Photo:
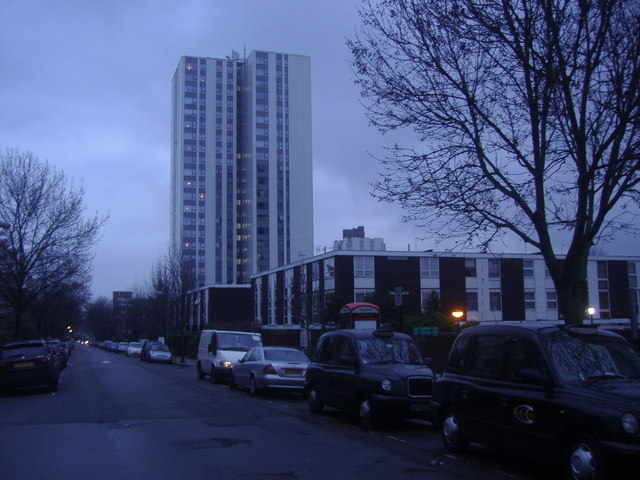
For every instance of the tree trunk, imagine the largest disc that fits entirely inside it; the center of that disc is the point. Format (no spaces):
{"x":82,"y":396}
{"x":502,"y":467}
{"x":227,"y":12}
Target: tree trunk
{"x":572,"y":290}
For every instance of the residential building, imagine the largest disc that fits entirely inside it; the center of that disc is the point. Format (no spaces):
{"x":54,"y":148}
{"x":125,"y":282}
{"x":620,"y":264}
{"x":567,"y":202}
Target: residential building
{"x":355,"y":239}
{"x":241,"y":164}
{"x":486,"y":287}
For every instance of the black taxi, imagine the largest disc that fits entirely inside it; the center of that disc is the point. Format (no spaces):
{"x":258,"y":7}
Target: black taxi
{"x":371,"y":372}
{"x":566,"y":394}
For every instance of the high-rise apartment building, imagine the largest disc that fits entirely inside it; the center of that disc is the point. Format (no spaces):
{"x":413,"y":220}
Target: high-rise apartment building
{"x":241,"y":165}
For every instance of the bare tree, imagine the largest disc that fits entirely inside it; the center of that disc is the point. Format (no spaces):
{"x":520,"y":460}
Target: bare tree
{"x":528,"y":116}
{"x":47,"y":242}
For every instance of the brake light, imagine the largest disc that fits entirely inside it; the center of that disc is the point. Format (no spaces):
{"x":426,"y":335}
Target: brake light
{"x":269,"y":370}
{"x":5,"y":365}
{"x":44,"y":361}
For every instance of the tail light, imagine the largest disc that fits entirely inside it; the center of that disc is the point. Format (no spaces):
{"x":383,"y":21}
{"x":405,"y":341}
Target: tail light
{"x":46,"y":361}
{"x":5,"y":365}
{"x":269,"y":370}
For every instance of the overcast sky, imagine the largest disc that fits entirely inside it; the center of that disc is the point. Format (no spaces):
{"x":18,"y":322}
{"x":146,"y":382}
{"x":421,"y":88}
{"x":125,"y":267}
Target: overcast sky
{"x":86,"y":86}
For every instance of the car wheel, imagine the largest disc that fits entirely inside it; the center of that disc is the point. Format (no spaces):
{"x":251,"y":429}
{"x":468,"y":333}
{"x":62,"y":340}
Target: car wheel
{"x":212,"y":375}
{"x":315,"y":405}
{"x":232,"y":382}
{"x":451,"y":436}
{"x":200,"y":372}
{"x":584,"y":459}
{"x":53,"y":387}
{"x":253,"y":387}
{"x":367,"y":413}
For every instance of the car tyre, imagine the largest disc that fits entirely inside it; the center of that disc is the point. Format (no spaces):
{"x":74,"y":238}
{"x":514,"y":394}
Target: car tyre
{"x":368,"y":414}
{"x":200,"y":372}
{"x":212,"y":375}
{"x":315,"y":405}
{"x":584,"y":459}
{"x":254,"y":391}
{"x":232,"y":382}
{"x":53,"y":387}
{"x":450,"y":432}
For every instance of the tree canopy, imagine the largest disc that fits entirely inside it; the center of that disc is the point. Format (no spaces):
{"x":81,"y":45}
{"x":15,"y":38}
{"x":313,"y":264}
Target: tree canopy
{"x":45,"y":243}
{"x":527,"y":115}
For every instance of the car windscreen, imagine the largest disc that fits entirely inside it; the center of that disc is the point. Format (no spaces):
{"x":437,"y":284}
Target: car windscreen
{"x":237,"y":341}
{"x":388,"y":350}
{"x":160,"y":348}
{"x":593,"y":357}
{"x":285,"y":356}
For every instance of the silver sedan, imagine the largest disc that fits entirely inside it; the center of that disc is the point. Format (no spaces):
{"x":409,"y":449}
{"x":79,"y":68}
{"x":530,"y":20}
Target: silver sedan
{"x":265,"y":368}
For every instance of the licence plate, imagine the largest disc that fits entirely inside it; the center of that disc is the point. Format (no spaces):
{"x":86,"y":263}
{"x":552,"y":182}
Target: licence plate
{"x":292,"y":371}
{"x":419,"y":407}
{"x":23,"y":364}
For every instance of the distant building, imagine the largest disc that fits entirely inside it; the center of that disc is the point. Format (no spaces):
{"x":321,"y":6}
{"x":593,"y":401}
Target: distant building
{"x":486,"y":287}
{"x":241,"y":164}
{"x":354,"y":240}
{"x":121,"y":302}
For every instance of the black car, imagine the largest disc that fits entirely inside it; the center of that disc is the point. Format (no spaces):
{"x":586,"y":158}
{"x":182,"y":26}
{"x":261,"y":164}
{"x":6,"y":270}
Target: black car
{"x":372,"y":372}
{"x":28,"y":364}
{"x":565,"y":394}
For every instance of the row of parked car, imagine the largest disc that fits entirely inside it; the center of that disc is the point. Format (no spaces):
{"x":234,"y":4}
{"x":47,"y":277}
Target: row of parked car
{"x":147,"y":350}
{"x":569,"y":395}
{"x":33,"y":363}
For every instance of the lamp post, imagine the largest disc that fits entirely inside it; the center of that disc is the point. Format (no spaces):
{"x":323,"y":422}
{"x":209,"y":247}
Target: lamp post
{"x":591,"y":311}
{"x":457,"y":315}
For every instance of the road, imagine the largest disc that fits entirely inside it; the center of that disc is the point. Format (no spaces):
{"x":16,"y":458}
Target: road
{"x":115,"y":417}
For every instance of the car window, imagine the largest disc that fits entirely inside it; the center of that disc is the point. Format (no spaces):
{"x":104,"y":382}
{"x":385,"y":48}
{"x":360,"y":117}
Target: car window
{"x":388,"y":350}
{"x":596,"y":357}
{"x":523,"y":354}
{"x":487,"y":355}
{"x":284,"y":356}
{"x":331,"y":346}
{"x":458,"y":354}
{"x":11,"y":351}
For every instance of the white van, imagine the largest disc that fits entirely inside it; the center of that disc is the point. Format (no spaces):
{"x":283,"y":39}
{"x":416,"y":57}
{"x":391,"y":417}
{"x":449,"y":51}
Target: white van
{"x":218,"y":350}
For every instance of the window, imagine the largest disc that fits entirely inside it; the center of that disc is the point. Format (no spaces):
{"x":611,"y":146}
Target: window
{"x":494,"y":268}
{"x":487,"y":356}
{"x":361,"y":295}
{"x":530,"y":300}
{"x":430,"y":301}
{"x":363,"y":267}
{"x":633,"y":277}
{"x":495,"y":301}
{"x":522,"y":354}
{"x":552,"y":301}
{"x":470,"y":267}
{"x":472,"y":301}
{"x":429,"y":267}
{"x":527,"y":268}
{"x":603,"y":298}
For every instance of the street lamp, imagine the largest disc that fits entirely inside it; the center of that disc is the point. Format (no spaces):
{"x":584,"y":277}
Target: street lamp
{"x":591,"y":311}
{"x":457,"y":316}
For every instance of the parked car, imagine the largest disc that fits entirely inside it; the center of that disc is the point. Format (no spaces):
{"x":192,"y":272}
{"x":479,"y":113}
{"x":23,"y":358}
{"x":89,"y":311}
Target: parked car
{"x":60,"y":353}
{"x":159,"y":353}
{"x":122,"y":347}
{"x":565,"y":394}
{"x":134,"y":349}
{"x":28,"y":364}
{"x":146,"y":346}
{"x":113,"y":347}
{"x":263,"y":368}
{"x":372,"y":372}
{"x":219,"y":350}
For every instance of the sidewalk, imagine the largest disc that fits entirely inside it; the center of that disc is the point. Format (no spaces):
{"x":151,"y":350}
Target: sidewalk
{"x":188,"y":362}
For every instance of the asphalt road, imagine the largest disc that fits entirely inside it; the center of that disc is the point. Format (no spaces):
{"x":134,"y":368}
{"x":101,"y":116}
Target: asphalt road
{"x":117,"y":418}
